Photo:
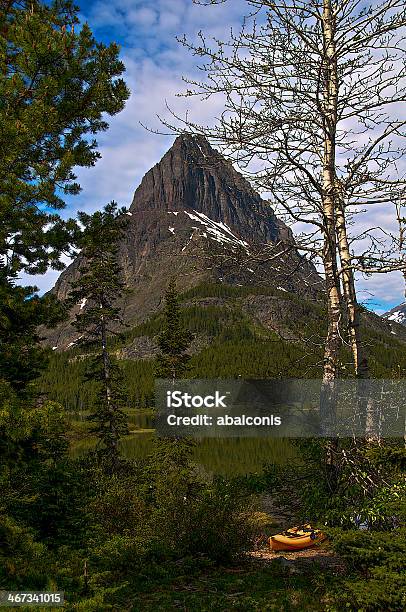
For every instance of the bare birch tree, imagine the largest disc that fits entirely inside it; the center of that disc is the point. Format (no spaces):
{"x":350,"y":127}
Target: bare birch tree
{"x":401,"y":220}
{"x":312,"y":96}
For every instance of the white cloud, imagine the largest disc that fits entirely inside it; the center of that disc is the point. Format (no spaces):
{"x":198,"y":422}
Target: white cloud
{"x":169,"y":20}
{"x":155,"y":64}
{"x":382,"y":291}
{"x":142,"y":17}
{"x":43,"y":282}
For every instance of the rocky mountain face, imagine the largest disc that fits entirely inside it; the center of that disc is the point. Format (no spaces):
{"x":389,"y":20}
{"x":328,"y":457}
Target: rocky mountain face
{"x":397,"y":314}
{"x":195,"y":219}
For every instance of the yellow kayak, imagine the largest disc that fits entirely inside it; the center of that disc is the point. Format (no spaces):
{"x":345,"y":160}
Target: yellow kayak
{"x":296,"y":538}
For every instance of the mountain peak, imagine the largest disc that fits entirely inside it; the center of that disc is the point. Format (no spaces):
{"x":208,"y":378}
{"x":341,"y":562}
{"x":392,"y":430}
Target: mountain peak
{"x":194,"y":176}
{"x":196,"y":218}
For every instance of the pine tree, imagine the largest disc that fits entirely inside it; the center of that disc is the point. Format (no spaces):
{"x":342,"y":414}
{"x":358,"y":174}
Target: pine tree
{"x":57,"y":85}
{"x":21,"y":356}
{"x":97,"y":289}
{"x":173,"y":359}
{"x":172,"y":362}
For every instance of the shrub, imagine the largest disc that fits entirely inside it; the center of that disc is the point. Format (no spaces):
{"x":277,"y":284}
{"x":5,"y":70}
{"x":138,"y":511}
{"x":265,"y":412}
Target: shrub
{"x":23,"y":562}
{"x":212,"y":521}
{"x":378,"y":558}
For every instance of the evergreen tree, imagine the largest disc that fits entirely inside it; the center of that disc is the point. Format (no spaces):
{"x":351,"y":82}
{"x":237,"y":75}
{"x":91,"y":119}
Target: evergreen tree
{"x":97,"y":289}
{"x":21,"y":356}
{"x":173,"y":360}
{"x":57,"y":83}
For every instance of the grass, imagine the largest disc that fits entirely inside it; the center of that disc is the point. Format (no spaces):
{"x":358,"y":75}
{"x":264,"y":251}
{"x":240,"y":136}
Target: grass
{"x":250,"y":586}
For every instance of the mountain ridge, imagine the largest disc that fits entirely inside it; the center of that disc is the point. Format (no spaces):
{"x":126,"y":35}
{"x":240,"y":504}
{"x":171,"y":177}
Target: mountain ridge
{"x":397,"y":314}
{"x":195,"y":218}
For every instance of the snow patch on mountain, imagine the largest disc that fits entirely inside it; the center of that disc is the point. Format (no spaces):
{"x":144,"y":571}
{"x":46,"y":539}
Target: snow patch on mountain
{"x":399,"y":317}
{"x":397,"y":314}
{"x":201,"y":150}
{"x":190,"y":238}
{"x":217,"y":230}
{"x":74,"y":342}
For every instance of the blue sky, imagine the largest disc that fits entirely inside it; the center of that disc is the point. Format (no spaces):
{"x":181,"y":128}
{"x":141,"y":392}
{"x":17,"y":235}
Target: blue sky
{"x":155,"y":63}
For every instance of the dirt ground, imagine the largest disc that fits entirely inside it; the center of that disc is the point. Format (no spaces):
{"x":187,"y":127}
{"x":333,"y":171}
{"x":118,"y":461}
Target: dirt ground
{"x":300,"y":560}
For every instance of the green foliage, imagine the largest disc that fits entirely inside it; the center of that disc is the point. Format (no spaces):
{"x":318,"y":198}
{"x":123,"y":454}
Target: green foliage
{"x":21,"y":312}
{"x":57,"y":84}
{"x":386,"y":355}
{"x":139,"y":379}
{"x":39,"y":486}
{"x":137,"y":525}
{"x":100,"y":282}
{"x":231,"y":345}
{"x":228,"y":344}
{"x":24,"y":562}
{"x":378,"y":559}
{"x":191,"y":515}
{"x":98,"y":287}
{"x":29,"y":432}
{"x":223,"y":290}
{"x":173,"y":341}
{"x":197,"y":587}
{"x":108,"y":416}
{"x":369,"y":490}
{"x":155,"y":512}
{"x":42,"y":503}
{"x":63,"y":380}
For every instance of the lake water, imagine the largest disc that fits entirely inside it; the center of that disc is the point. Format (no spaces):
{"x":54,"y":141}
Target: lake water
{"x":227,"y":456}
